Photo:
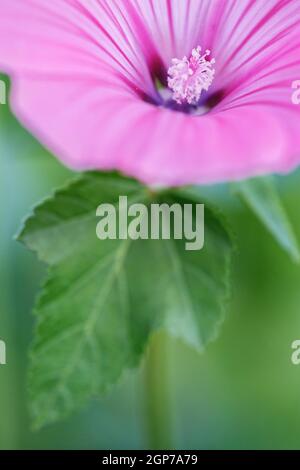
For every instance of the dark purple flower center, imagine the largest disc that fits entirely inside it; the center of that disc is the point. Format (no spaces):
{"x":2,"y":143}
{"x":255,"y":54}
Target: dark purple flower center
{"x":185,"y":86}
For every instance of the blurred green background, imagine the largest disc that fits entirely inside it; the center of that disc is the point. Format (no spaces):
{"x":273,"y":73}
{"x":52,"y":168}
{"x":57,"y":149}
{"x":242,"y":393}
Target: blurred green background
{"x":243,"y":393}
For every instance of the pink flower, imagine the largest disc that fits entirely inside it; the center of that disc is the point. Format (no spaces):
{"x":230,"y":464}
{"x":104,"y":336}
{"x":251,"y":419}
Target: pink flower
{"x":128,"y":84}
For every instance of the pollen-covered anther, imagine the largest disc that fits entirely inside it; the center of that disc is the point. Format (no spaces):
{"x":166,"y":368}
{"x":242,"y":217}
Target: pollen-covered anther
{"x":188,"y":78}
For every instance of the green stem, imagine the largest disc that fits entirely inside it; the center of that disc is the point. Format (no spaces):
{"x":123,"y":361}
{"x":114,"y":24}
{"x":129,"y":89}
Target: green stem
{"x":157,"y":397}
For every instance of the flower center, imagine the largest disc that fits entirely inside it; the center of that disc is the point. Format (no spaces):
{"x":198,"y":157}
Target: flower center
{"x":188,"y":78}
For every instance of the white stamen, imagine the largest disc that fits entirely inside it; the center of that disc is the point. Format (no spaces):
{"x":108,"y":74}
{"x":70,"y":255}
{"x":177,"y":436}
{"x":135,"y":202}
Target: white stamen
{"x":188,"y":78}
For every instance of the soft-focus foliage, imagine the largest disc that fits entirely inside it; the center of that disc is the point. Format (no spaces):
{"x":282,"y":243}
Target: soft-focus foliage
{"x":261,"y":196}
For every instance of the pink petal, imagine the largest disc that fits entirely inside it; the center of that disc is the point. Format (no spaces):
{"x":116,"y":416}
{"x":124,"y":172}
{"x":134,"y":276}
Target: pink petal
{"x":81,"y":71}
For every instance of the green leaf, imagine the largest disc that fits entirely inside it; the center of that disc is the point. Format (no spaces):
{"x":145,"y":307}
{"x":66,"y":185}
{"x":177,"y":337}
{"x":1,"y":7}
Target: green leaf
{"x":103,"y":299}
{"x":262,"y":197}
